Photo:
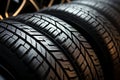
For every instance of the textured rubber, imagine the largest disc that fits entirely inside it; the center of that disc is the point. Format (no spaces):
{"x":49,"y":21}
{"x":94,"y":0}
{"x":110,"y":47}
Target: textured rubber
{"x":36,"y":51}
{"x":105,"y":10}
{"x":110,"y":13}
{"x":73,"y":13}
{"x":114,"y":4}
{"x":70,"y":40}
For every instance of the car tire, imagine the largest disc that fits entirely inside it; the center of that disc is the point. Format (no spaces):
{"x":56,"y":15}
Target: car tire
{"x":96,"y":28}
{"x":83,"y":57}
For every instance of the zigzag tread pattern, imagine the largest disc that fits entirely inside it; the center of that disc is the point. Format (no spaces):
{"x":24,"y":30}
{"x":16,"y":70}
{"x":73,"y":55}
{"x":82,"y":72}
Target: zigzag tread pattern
{"x":108,"y":32}
{"x":30,"y":44}
{"x":69,"y":38}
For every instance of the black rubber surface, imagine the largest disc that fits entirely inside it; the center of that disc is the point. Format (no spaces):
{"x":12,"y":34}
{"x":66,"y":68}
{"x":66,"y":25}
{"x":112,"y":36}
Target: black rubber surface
{"x":70,"y":40}
{"x":74,"y":41}
{"x":94,"y":24}
{"x":35,"y":50}
{"x":105,"y":9}
{"x":111,"y":13}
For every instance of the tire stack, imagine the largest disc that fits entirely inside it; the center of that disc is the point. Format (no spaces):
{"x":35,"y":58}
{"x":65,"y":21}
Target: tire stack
{"x":73,"y":41}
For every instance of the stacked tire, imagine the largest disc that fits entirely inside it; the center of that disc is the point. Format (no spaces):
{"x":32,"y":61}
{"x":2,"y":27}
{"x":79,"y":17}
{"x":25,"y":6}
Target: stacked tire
{"x":73,"y":41}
